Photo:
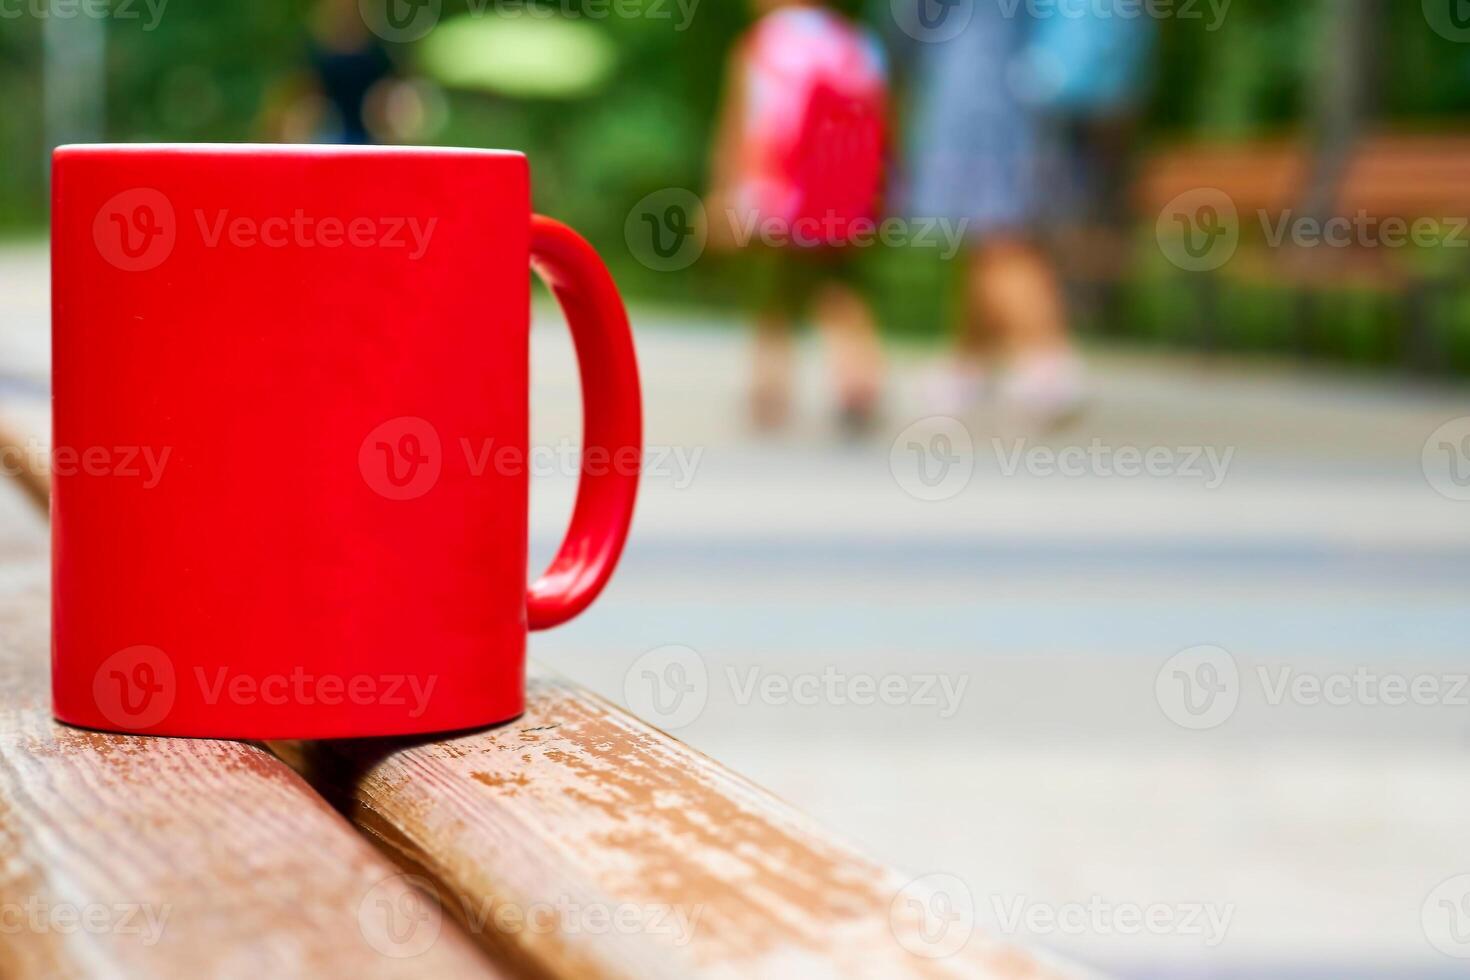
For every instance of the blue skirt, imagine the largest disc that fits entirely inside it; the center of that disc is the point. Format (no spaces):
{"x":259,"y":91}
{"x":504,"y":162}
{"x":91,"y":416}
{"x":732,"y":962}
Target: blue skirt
{"x":973,"y":145}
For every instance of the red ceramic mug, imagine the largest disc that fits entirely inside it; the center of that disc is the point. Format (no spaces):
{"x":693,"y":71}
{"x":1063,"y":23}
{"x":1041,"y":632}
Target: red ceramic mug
{"x":291,"y":419}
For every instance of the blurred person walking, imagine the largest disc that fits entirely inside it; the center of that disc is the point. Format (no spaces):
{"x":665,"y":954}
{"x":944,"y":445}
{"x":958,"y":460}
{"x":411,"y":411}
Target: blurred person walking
{"x":1086,"y":74}
{"x":350,"y":90}
{"x":976,"y":152}
{"x":797,"y":170}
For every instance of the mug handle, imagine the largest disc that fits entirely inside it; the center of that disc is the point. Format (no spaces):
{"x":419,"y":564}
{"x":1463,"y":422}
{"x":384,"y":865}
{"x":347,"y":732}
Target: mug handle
{"x":612,"y":423}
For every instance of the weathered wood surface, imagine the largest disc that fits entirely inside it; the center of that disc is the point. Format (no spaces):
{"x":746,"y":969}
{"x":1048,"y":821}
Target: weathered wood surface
{"x":581,"y":842}
{"x":544,"y":832}
{"x":157,"y":857}
{"x":22,"y":449}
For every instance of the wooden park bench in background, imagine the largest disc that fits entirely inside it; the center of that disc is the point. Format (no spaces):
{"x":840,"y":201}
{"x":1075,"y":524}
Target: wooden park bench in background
{"x":1404,"y":177}
{"x":511,"y":852}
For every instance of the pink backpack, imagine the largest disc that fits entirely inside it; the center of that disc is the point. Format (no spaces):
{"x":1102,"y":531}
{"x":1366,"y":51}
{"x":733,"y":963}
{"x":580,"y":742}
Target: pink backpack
{"x":815,"y":128}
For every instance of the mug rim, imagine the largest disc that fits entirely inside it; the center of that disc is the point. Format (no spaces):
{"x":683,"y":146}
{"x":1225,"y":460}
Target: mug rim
{"x":286,"y":149}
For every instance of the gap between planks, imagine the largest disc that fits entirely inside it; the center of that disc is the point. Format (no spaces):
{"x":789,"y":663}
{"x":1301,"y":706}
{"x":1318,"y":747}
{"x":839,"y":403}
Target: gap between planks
{"x":586,"y":813}
{"x":137,"y":856}
{"x":578,"y":841}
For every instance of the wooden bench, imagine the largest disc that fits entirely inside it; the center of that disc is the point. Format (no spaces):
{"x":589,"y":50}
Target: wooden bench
{"x":1403,"y":177}
{"x":576,"y":841}
{"x":150,"y":856}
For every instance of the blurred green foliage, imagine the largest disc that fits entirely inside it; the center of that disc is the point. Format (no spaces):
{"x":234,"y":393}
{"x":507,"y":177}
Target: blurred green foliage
{"x":208,"y":68}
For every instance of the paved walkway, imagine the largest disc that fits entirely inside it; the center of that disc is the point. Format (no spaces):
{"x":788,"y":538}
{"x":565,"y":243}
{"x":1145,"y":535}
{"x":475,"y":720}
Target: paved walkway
{"x":977,"y":685}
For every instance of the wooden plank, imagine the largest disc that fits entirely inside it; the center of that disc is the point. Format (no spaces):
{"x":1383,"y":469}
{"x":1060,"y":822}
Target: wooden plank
{"x":1388,"y":175}
{"x":578,"y":813}
{"x":581,"y":842}
{"x":1261,"y":176}
{"x":17,"y":458}
{"x":1408,"y":178}
{"x":138,"y":856}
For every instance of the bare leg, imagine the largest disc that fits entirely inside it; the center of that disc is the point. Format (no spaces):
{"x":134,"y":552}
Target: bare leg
{"x":956,"y":382}
{"x":770,"y":392}
{"x":1014,"y":288}
{"x":853,"y":350}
